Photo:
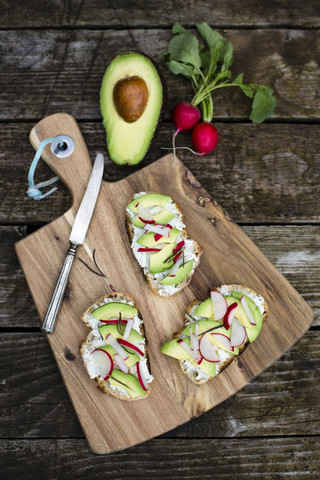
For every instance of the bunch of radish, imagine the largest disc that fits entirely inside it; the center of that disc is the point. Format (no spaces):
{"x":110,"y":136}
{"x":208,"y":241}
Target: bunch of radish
{"x":186,"y":116}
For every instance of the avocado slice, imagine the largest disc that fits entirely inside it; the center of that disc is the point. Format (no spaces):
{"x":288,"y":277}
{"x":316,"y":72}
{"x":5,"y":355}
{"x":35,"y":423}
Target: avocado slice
{"x":257,"y":315}
{"x":240,"y":314}
{"x":149,"y":200}
{"x":203,"y":326}
{"x":134,"y":336}
{"x":205,"y":309}
{"x":157,"y":260}
{"x":113,"y":309}
{"x":127,"y":381}
{"x":182,"y":273}
{"x":163,"y":217}
{"x":147,"y":239}
{"x":132,"y":360}
{"x":173,"y":349}
{"x":132,"y":104}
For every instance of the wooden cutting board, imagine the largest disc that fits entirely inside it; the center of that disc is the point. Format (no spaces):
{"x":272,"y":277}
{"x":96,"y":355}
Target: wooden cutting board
{"x":229,"y":257}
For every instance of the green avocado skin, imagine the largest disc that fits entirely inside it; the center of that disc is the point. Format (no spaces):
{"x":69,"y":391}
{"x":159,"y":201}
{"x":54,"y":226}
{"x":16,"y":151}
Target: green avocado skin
{"x":128,"y":143}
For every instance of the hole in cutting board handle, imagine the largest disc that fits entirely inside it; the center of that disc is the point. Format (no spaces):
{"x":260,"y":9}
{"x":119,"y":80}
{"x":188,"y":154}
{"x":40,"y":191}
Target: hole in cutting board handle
{"x":65,"y":149}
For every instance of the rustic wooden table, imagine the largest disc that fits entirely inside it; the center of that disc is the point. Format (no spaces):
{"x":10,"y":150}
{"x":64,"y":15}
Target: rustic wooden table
{"x":53,"y":55}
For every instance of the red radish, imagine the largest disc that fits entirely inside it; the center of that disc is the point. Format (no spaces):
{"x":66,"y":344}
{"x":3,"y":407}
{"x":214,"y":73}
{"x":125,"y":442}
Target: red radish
{"x":204,"y":137}
{"x":145,"y":249}
{"x":192,"y":354}
{"x":207,"y":350}
{"x":141,"y":377}
{"x":146,"y":221}
{"x":173,"y":271}
{"x":238,"y":333}
{"x":130,"y":345}
{"x":176,"y":258}
{"x":113,"y":322}
{"x":219,"y":305}
{"x":179,"y":245}
{"x":229,"y":315}
{"x":157,"y":237}
{"x":185,"y":116}
{"x":120,"y":363}
{"x":157,"y":228}
{"x":222,"y":339}
{"x":103,"y":361}
{"x":245,"y":305}
{"x":114,"y":344}
{"x":128,"y":329}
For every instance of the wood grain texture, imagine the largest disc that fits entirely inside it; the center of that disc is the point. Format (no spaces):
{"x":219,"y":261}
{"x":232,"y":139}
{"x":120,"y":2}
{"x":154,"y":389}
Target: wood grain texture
{"x":158,"y":459}
{"x":293,"y":249}
{"x":39,"y":13}
{"x":283,"y":400}
{"x":258,"y":173}
{"x":50,"y":71}
{"x":170,"y":393}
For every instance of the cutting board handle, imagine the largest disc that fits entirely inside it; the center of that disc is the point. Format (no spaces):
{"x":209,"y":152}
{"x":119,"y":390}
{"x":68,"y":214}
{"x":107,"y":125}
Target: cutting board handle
{"x":73,"y":170}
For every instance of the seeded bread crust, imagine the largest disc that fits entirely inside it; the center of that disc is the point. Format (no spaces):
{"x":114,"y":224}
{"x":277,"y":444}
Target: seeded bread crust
{"x":197,"y":248}
{"x":104,"y":385}
{"x":191,"y":307}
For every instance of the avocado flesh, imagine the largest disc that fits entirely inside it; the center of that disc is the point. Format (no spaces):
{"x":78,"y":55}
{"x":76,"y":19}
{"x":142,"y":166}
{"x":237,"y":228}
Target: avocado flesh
{"x":134,"y":336}
{"x":157,"y":260}
{"x":257,"y":315}
{"x":147,"y":239}
{"x":127,"y":381}
{"x":129,"y":142}
{"x":149,"y":200}
{"x":163,"y":217}
{"x":182,"y":273}
{"x":174,"y":349}
{"x":113,"y":309}
{"x":205,"y":309}
{"x":203,"y":326}
{"x":132,"y":360}
{"x":240,"y":314}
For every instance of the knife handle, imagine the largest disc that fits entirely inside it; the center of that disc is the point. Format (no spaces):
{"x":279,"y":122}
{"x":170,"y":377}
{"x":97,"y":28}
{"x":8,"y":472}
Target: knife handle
{"x":58,"y":294}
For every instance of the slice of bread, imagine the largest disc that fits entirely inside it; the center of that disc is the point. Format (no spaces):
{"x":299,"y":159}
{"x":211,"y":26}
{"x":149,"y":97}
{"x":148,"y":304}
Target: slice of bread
{"x":193,"y":371}
{"x":192,"y":250}
{"x":94,"y":340}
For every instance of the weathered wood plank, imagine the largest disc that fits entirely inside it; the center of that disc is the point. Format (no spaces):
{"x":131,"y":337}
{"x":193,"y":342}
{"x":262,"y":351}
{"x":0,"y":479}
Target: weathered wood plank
{"x":284,"y":400}
{"x":293,"y":250}
{"x":152,"y":13}
{"x":265,"y":459}
{"x":258,"y":173}
{"x":48,"y":71}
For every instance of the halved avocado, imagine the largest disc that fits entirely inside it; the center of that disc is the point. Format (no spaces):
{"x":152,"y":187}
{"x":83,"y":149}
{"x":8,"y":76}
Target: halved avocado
{"x":132,"y":104}
{"x":113,"y":309}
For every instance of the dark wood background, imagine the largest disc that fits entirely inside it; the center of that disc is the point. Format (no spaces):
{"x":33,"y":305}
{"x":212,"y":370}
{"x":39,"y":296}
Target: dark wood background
{"x":53,"y":56}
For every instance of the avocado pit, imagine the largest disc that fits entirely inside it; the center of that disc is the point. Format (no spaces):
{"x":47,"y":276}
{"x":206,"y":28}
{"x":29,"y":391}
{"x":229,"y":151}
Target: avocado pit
{"x":130,"y":97}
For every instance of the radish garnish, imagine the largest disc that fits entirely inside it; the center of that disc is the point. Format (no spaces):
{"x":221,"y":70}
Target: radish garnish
{"x":222,"y":339}
{"x":120,"y":363}
{"x":238,"y":333}
{"x":128,"y":329}
{"x":144,"y":214}
{"x":114,"y":321}
{"x":245,"y":305}
{"x":192,"y":354}
{"x":219,"y":305}
{"x":145,"y":249}
{"x":207,"y":350}
{"x":173,"y":271}
{"x":179,"y":245}
{"x":142,"y":376}
{"x":229,"y":315}
{"x":157,"y":228}
{"x":103,"y":361}
{"x":117,"y":347}
{"x":176,"y":258}
{"x":130,"y":345}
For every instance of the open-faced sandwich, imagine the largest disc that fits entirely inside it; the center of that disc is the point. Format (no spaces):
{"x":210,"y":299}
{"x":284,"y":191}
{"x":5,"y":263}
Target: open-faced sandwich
{"x":115,"y":351}
{"x":160,"y":243}
{"x":217,"y":330}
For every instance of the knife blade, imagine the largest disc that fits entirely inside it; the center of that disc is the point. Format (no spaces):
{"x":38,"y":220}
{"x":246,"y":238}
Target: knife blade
{"x":77,"y":237}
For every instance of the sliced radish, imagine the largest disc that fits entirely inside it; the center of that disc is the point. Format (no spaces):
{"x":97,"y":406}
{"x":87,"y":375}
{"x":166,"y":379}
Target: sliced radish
{"x":113,"y":321}
{"x":114,"y":344}
{"x":145,"y":214}
{"x":176,"y":258}
{"x":120,"y":363}
{"x":128,"y":329}
{"x":157,"y":228}
{"x":103,"y":361}
{"x":207,"y":350}
{"x":245,"y":305}
{"x":142,"y":377}
{"x":229,"y":315}
{"x":157,"y":237}
{"x":173,"y":271}
{"x":192,"y":354}
{"x":179,"y":245}
{"x":146,"y":221}
{"x":238,"y":333}
{"x":222,"y":339}
{"x":130,"y":345}
{"x":219,"y":305}
{"x":145,"y":249}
